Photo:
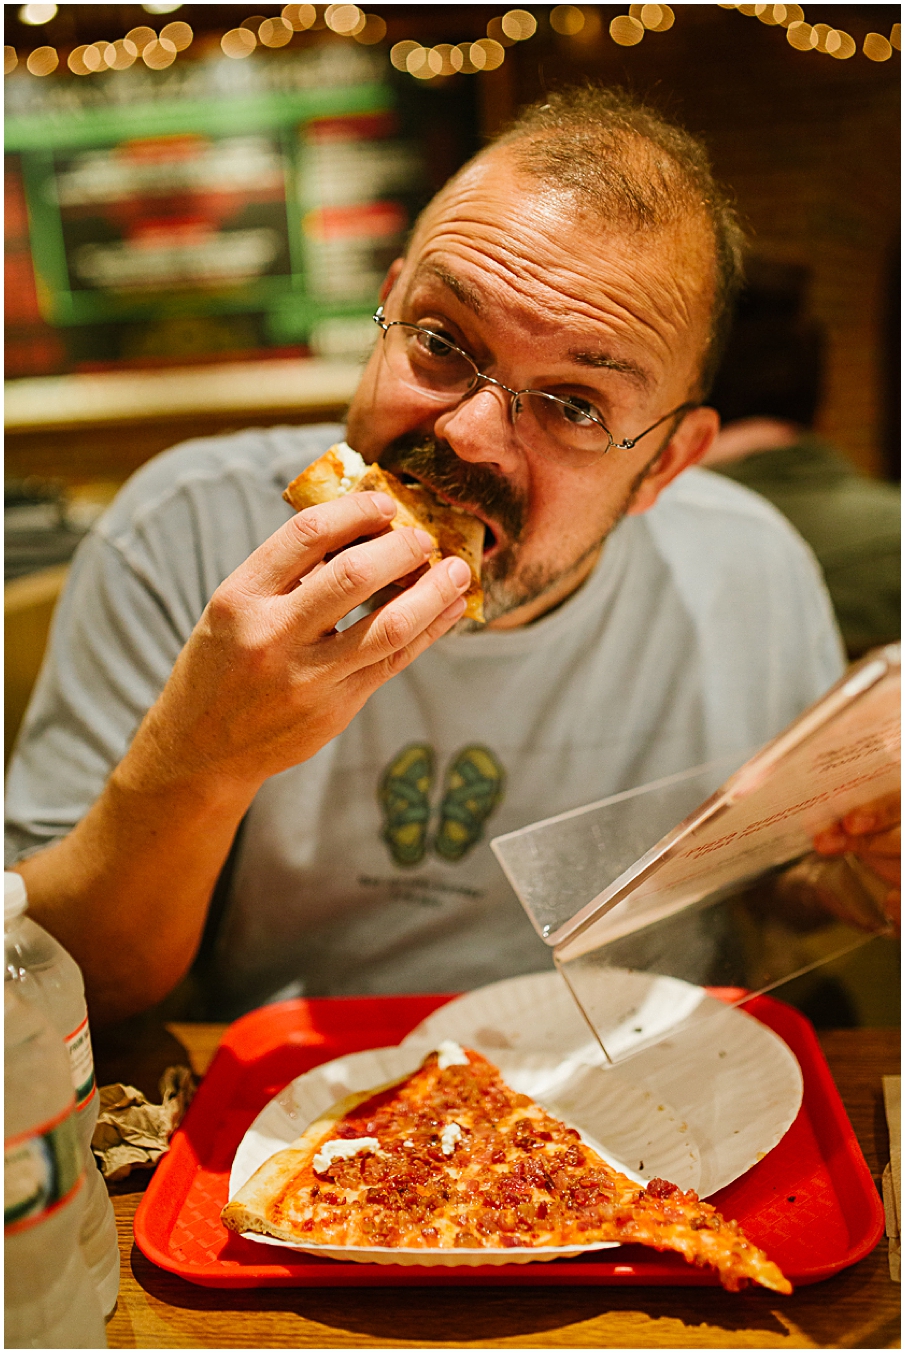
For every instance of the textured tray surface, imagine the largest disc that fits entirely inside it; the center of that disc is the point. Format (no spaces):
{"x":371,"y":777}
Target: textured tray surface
{"x":811,"y":1203}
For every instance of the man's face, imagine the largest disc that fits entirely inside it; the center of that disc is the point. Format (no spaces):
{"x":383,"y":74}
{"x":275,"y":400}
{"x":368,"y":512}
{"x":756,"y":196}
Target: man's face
{"x":542,"y":298}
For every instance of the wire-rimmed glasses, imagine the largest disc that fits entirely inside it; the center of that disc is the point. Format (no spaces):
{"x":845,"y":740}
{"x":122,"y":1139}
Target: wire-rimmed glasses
{"x":565,"y":429}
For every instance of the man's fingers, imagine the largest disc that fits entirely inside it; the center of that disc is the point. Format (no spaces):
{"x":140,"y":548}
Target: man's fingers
{"x":831,"y":841}
{"x":355,"y":575}
{"x":872,"y":817}
{"x":308,"y":537}
{"x":400,"y":623}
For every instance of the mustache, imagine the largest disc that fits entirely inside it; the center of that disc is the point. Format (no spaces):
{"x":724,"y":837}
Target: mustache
{"x":433,"y":461}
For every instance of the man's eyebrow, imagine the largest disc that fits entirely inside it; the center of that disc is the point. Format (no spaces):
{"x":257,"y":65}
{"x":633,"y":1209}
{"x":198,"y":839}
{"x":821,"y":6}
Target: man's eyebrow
{"x":461,"y":290}
{"x":599,"y":360}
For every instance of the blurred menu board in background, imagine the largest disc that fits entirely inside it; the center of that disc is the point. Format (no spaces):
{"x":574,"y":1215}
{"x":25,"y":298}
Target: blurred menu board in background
{"x":216,"y":209}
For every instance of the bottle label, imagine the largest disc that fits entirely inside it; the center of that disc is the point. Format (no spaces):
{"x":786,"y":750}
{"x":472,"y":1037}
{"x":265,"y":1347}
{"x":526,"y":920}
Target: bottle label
{"x":81,"y":1060}
{"x":42,"y":1169}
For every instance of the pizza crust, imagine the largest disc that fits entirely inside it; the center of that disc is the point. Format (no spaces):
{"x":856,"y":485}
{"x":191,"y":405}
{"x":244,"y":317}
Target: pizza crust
{"x":248,"y":1211}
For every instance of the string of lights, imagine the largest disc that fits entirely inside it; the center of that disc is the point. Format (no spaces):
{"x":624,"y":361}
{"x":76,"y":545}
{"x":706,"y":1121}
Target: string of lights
{"x":158,"y":50}
{"x":820,"y":37}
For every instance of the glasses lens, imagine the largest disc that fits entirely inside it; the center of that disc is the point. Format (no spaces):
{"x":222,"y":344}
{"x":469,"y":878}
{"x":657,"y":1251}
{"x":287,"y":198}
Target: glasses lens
{"x":560,"y":429}
{"x":426,"y":362}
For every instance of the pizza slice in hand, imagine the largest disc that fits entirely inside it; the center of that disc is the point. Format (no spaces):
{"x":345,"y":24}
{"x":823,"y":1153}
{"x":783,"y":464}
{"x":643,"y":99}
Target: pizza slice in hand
{"x":342,"y":470}
{"x":450,"y":1157}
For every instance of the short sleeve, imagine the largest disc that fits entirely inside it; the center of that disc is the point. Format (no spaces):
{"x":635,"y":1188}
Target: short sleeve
{"x":113,"y":644}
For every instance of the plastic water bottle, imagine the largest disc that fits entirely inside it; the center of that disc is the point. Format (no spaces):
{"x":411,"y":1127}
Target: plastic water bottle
{"x":49,"y":1298}
{"x":57,"y":984}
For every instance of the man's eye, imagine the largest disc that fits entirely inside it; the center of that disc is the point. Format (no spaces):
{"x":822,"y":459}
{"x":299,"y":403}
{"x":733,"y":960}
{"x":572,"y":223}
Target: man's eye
{"x":579,"y":412}
{"x":433,"y":345}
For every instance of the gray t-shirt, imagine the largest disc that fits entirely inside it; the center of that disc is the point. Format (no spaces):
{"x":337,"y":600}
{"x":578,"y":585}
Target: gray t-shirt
{"x":704,"y":630}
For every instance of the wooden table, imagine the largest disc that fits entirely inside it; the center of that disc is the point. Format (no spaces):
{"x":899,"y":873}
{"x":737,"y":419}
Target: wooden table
{"x":857,"y":1309}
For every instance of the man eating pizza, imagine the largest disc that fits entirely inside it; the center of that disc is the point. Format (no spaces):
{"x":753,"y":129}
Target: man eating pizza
{"x":247,"y":759}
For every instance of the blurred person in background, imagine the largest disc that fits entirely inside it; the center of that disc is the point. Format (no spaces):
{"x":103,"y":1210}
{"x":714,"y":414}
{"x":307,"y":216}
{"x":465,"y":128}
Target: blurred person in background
{"x":767,"y":392}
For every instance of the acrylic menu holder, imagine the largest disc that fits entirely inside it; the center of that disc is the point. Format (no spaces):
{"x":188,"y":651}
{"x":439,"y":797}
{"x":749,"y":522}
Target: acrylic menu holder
{"x":642,"y":915}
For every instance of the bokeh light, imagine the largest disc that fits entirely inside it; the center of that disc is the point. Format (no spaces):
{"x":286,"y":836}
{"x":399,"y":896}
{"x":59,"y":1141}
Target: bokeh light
{"x":626,"y":31}
{"x":120,"y":55}
{"x":299,"y":17}
{"x":10,"y":60}
{"x":140,"y":37}
{"x":179,"y":33}
{"x":159,"y":54}
{"x":467,"y":67}
{"x":37,"y":14}
{"x":567,"y":19}
{"x":374,"y":30}
{"x":841,"y":45}
{"x":399,"y":52}
{"x":77,"y":63}
{"x":343,"y":19}
{"x":657,"y":18}
{"x":449,"y":57}
{"x":495,"y":32}
{"x":275,"y":32}
{"x":238,"y":43}
{"x":876,"y":47}
{"x":42,"y":61}
{"x":486,"y":54}
{"x":518,"y":25}
{"x":801,"y":36}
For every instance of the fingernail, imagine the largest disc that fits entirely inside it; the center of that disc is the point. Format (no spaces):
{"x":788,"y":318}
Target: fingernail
{"x":459,"y":573}
{"x":384,"y":503}
{"x":454,"y":610}
{"x":425,"y":539}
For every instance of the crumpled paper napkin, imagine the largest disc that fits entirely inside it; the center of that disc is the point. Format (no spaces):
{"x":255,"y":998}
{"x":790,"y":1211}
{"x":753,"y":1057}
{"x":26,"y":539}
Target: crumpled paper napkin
{"x":131,"y":1131}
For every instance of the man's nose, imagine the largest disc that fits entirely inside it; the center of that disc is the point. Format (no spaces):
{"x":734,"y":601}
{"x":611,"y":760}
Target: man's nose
{"x":479,"y":428}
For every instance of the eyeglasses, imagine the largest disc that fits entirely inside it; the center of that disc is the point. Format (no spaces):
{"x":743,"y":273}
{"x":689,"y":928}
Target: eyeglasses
{"x":568,"y":430}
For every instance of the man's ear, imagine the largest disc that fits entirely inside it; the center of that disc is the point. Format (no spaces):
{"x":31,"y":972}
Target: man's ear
{"x":391,"y":278}
{"x":689,"y":443}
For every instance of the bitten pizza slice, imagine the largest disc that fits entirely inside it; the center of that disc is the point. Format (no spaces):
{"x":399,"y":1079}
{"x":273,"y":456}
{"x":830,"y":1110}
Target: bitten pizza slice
{"x":450,"y":1157}
{"x":342,"y":470}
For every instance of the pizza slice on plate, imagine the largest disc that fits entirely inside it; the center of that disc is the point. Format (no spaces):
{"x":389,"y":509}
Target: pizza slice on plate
{"x":450,"y":1157}
{"x":342,"y":470}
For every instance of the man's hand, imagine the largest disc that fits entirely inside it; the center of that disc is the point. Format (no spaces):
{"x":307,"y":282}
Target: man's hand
{"x":872,"y":833}
{"x":263,"y":683}
{"x":265,"y":680}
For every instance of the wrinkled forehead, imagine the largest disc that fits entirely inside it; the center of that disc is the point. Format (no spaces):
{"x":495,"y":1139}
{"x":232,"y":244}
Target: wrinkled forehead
{"x":547,"y":243}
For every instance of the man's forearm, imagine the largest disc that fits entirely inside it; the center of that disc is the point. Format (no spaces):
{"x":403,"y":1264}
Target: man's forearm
{"x":127,"y":891}
{"x":264,"y":681}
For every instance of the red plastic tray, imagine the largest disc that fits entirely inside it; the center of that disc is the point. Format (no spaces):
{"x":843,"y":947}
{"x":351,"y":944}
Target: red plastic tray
{"x":811,"y":1203}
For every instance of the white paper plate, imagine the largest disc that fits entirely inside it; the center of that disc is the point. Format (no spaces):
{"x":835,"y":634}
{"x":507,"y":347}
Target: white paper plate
{"x":603,"y":1110}
{"x":734,"y":1084}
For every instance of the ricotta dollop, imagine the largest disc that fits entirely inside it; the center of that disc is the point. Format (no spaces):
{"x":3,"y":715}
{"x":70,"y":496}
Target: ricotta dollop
{"x":450,"y":1054}
{"x":450,"y":1135}
{"x":342,"y":1150}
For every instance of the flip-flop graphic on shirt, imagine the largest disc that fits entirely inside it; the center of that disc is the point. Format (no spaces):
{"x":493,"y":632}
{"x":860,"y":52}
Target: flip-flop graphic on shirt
{"x":405,"y":799}
{"x":473,"y":788}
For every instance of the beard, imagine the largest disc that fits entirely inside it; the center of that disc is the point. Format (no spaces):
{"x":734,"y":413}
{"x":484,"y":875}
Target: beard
{"x":507,"y":584}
